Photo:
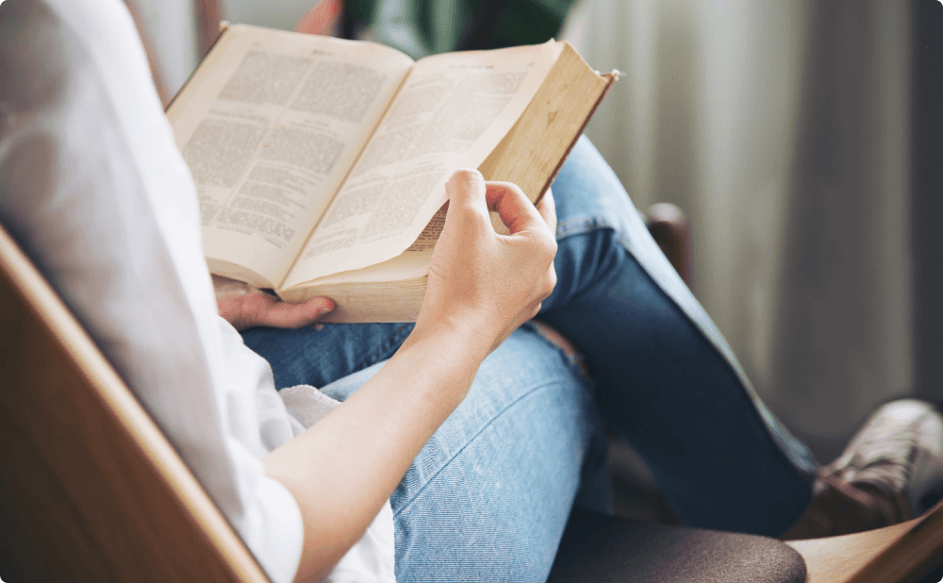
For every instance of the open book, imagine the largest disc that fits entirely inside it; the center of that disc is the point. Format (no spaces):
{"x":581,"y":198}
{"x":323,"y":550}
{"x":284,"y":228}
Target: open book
{"x":321,"y":163}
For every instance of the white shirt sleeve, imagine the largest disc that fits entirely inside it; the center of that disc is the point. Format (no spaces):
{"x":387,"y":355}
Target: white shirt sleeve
{"x":92,"y":185}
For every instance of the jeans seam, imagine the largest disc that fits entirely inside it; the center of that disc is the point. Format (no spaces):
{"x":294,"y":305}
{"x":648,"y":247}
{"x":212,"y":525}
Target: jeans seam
{"x":536,"y":389}
{"x":377,"y":354}
{"x":582,"y":225}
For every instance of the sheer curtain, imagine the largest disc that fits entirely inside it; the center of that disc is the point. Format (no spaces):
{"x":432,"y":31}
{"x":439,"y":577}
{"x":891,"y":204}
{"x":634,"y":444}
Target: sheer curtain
{"x":782,"y":130}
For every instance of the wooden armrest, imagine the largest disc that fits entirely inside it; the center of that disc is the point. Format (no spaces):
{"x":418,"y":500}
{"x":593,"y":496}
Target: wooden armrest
{"x":670,"y":229}
{"x":902,"y":553}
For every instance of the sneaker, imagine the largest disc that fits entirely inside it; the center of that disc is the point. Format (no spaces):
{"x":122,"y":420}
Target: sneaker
{"x":898,"y":451}
{"x":891,"y":471}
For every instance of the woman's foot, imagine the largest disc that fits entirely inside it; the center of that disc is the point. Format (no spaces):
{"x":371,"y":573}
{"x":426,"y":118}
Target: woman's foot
{"x":891,"y":471}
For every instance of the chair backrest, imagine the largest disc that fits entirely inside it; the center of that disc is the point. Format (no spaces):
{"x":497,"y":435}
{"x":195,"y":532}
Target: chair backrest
{"x":90,"y":489}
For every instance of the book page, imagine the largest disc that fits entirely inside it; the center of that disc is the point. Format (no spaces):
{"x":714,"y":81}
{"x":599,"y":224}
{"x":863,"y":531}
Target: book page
{"x":269,"y":127}
{"x":451,"y":112}
{"x":409,"y":264}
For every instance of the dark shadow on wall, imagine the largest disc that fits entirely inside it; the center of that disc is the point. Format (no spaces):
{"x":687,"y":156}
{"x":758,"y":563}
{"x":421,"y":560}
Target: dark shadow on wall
{"x":927,"y":196}
{"x":835,"y":199}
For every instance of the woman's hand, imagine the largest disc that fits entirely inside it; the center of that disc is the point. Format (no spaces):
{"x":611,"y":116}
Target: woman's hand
{"x":244,"y":307}
{"x":482,"y":283}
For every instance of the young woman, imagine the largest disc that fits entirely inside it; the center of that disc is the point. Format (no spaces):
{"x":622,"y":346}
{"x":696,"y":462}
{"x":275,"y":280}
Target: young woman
{"x":461,"y":443}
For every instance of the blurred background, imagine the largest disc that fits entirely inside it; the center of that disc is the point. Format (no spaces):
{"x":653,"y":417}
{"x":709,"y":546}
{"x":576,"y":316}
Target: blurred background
{"x":803,"y":140}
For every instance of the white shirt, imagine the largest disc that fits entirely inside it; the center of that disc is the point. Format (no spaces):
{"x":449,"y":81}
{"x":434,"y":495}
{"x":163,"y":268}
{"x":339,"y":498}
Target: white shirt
{"x":93,"y":186}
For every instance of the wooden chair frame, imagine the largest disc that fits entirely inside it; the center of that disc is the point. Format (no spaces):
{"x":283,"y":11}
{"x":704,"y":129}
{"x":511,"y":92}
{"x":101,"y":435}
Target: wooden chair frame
{"x":90,"y":489}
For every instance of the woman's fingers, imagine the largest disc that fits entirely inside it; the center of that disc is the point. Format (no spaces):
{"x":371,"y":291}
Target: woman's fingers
{"x":548,"y":210}
{"x":466,"y":190}
{"x":513,"y":206}
{"x":244,"y":307}
{"x":261,"y":309}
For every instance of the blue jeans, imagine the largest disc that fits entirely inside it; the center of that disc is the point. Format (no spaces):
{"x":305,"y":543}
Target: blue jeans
{"x":489,"y":495}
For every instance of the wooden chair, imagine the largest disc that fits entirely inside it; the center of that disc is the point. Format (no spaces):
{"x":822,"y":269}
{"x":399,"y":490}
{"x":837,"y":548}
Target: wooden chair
{"x":90,"y":489}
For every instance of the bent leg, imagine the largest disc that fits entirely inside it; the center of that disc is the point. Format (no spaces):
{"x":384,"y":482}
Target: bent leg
{"x":668,"y":382}
{"x":489,"y":495}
